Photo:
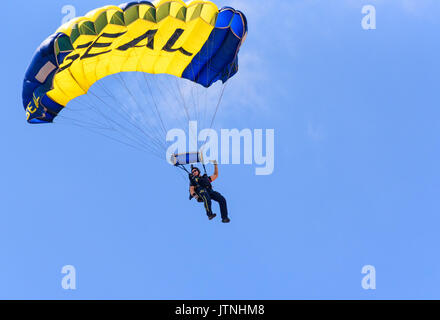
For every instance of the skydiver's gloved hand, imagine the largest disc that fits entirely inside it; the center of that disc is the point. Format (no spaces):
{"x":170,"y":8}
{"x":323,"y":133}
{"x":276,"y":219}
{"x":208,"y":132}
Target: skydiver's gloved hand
{"x":195,"y":196}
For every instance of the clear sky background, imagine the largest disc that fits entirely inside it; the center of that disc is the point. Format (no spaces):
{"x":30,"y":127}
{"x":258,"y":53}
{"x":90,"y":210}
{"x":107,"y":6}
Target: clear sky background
{"x":356,"y":181}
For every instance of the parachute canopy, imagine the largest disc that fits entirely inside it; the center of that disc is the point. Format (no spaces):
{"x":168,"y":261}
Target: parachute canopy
{"x":194,"y":41}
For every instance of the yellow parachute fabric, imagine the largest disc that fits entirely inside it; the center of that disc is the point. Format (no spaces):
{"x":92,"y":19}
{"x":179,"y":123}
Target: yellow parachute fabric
{"x":109,"y":40}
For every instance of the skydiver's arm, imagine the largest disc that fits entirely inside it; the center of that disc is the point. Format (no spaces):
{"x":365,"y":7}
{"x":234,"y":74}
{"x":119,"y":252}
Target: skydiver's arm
{"x":192,"y":192}
{"x":215,"y":175}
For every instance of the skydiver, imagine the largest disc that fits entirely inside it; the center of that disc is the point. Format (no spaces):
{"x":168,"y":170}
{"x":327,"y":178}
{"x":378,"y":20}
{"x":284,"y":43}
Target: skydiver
{"x":200,"y":188}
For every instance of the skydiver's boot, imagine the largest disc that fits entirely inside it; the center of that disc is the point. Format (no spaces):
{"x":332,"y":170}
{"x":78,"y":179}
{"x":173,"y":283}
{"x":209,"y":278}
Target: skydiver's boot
{"x":212,"y":216}
{"x":226,"y":220}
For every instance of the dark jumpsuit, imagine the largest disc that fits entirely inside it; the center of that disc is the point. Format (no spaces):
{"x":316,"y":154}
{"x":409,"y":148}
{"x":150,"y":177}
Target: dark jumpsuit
{"x":203,"y":188}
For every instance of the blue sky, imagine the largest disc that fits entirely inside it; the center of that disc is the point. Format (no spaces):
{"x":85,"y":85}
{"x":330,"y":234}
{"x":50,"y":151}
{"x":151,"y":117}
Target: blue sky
{"x":356,"y":178}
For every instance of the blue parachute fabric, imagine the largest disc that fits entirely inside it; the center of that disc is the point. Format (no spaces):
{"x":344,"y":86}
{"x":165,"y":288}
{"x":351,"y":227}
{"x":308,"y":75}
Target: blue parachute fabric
{"x":218,"y":58}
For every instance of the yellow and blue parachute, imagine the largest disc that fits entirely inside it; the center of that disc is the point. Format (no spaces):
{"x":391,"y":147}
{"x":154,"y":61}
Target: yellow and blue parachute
{"x":194,"y":41}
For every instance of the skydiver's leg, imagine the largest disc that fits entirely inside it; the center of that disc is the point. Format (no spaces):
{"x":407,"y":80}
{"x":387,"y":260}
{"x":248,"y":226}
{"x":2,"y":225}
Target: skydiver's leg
{"x":216,"y":196}
{"x":206,"y":201}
